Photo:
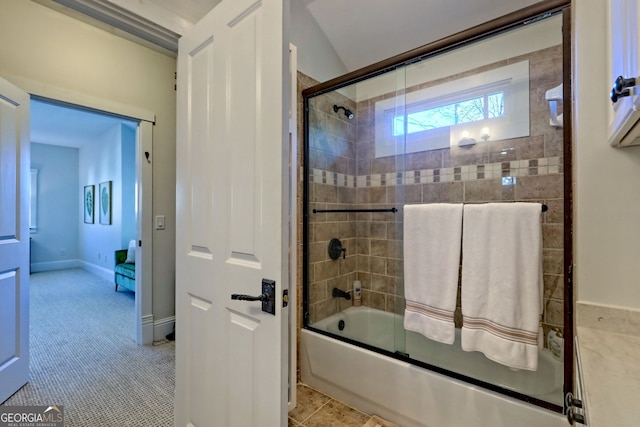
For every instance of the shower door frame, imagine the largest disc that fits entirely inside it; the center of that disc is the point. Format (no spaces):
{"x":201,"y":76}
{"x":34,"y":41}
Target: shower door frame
{"x":523,"y":16}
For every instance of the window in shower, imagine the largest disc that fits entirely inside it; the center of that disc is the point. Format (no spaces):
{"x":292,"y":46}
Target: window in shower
{"x":421,"y":117}
{"x":448,"y":128}
{"x":488,"y":105}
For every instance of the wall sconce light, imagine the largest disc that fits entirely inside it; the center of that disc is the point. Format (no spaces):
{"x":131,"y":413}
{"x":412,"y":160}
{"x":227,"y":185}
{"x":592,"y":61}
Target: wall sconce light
{"x":465,"y":139}
{"x":484,"y":134}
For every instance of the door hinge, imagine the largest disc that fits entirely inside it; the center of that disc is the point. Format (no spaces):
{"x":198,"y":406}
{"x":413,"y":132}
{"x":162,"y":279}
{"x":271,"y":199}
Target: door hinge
{"x":285,"y":298}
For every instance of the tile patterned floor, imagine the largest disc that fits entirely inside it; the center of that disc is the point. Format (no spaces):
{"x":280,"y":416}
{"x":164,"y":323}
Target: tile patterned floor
{"x":315,"y":409}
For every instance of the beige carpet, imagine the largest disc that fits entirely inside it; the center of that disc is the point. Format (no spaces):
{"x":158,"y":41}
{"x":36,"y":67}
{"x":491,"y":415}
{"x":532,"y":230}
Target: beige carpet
{"x":376,"y":421}
{"x":83,"y":355}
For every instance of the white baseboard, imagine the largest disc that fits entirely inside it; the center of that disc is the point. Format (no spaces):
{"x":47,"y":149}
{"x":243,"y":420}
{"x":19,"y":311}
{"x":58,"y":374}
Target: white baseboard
{"x":38,"y":267}
{"x":104,"y":273}
{"x":147,"y":330}
{"x":163,"y":327}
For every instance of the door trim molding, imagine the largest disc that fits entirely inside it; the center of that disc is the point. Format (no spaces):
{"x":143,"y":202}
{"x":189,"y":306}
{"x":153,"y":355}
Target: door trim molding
{"x":80,"y":100}
{"x":293,"y":227}
{"x":147,"y":328}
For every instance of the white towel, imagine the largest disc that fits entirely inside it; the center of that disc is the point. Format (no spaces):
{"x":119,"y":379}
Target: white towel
{"x":502,"y":282}
{"x":432,"y":240}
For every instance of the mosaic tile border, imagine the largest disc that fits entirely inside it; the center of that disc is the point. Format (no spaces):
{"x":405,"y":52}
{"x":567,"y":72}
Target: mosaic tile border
{"x":514,"y":168}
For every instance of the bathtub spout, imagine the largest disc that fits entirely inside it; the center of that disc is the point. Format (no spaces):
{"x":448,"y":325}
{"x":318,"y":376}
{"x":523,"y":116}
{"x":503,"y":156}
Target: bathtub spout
{"x":341,"y":294}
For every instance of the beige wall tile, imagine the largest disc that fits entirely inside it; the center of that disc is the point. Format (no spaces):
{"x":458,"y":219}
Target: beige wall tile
{"x":553,"y":236}
{"x":540,"y":187}
{"x":444,"y":192}
{"x":488,"y":190}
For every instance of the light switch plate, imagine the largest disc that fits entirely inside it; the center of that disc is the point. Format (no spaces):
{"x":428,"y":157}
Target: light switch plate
{"x":159,"y":222}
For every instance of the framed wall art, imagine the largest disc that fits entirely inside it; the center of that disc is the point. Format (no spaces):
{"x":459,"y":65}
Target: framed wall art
{"x":104,"y":195}
{"x":88,"y":203}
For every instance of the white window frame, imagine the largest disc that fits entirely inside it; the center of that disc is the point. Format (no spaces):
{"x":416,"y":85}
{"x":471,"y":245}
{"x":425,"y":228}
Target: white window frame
{"x":511,"y":79}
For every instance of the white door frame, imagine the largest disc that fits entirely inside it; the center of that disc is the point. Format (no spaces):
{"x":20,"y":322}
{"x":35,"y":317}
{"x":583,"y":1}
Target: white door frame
{"x":144,"y":230}
{"x":293,"y":227}
{"x":143,"y":333}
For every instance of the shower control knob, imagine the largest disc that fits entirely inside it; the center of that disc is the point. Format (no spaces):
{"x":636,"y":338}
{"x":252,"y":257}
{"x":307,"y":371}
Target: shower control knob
{"x":336,"y":250}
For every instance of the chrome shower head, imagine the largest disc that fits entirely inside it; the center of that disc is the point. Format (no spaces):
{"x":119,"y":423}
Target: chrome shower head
{"x":347,"y":112}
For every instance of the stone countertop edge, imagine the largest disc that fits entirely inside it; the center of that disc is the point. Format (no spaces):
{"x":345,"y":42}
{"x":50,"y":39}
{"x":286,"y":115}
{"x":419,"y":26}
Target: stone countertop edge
{"x":609,"y":344}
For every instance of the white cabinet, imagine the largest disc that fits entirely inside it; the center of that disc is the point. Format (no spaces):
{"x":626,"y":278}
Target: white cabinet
{"x":624,"y":39}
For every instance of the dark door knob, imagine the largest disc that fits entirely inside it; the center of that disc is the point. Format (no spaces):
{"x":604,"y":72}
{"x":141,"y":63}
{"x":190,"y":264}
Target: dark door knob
{"x":241,"y":297}
{"x":267,"y":297}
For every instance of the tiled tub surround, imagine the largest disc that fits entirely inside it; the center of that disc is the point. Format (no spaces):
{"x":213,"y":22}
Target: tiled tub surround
{"x":345,"y":174}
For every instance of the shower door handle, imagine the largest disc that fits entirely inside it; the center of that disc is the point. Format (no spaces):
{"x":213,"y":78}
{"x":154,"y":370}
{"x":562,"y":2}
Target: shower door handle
{"x":622,"y":87}
{"x":267,"y":297}
{"x":572,"y":417}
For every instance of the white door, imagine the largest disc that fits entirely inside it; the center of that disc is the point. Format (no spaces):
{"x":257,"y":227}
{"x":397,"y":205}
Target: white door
{"x":232,"y":184}
{"x":14,"y":239}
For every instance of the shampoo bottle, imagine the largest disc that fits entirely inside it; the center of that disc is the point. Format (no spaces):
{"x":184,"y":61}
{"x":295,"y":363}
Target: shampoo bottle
{"x":357,"y":293}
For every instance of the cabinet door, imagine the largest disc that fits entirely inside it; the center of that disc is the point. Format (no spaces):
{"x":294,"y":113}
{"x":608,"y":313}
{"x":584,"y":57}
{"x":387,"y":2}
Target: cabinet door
{"x":623,"y":32}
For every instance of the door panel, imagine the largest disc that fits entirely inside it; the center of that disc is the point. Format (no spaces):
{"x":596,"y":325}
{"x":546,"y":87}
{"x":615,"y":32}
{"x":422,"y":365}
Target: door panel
{"x":9,"y":134}
{"x":8,"y":329}
{"x":14,"y":239}
{"x":233,"y":94}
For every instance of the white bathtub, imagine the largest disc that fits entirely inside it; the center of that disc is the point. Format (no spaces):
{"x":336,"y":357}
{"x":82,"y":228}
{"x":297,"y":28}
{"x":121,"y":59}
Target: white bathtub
{"x":413,"y":396}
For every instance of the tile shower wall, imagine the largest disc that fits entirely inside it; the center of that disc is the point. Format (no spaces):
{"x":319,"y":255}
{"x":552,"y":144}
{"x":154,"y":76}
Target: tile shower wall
{"x":332,"y":157}
{"x":344,"y":173}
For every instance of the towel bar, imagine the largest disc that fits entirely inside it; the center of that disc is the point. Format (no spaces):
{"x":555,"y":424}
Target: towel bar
{"x":393,"y":210}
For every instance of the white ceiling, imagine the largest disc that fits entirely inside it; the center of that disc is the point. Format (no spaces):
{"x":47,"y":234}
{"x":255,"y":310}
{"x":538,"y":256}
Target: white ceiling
{"x":59,"y":125}
{"x":362,"y":32}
